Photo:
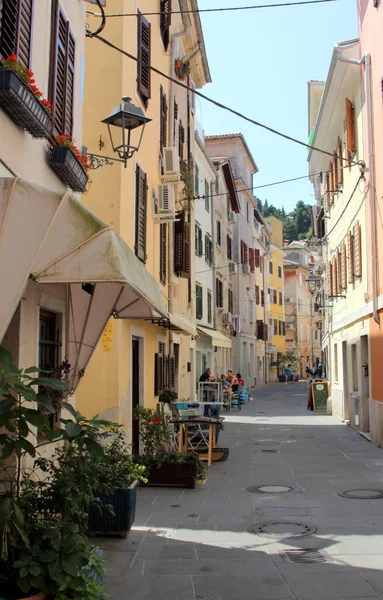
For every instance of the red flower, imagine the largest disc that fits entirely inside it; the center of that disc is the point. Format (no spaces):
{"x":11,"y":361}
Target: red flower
{"x":12,"y":58}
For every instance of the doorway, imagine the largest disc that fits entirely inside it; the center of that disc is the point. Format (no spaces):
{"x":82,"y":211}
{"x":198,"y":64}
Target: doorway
{"x":365,"y":392}
{"x":346,"y":409}
{"x":135,"y":394}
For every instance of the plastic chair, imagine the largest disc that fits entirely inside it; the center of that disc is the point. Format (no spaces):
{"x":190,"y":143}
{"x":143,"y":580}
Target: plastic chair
{"x":244,"y":395}
{"x":235,"y":400}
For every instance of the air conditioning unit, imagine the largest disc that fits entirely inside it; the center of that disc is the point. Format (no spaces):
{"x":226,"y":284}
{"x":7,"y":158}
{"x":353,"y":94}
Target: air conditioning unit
{"x":246,"y":269}
{"x":226,"y":318}
{"x":233,"y":268}
{"x":171,"y":163}
{"x":289,"y":326}
{"x":166,"y":200}
{"x":287,"y":300}
{"x":231,"y":216}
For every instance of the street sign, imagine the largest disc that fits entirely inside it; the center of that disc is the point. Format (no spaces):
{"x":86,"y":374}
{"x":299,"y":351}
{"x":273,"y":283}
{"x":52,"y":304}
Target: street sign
{"x":320,"y":395}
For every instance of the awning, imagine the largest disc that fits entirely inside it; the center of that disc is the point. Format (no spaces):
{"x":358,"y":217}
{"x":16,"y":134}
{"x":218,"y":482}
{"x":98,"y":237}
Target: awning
{"x":55,"y":239}
{"x":217,"y":338}
{"x":179,"y":322}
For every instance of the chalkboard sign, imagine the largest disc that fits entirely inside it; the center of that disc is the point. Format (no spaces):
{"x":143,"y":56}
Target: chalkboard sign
{"x":320,"y":394}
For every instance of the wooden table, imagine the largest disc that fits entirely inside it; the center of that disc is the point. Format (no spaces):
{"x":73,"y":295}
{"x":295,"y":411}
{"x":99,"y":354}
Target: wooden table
{"x":183,"y":439}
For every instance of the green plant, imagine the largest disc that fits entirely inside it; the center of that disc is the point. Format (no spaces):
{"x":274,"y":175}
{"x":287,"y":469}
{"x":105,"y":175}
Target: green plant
{"x":168,"y":396}
{"x":27,"y":76}
{"x":182,"y":68}
{"x":186,"y":176}
{"x":118,"y":468}
{"x":154,"y":428}
{"x":162,"y":459}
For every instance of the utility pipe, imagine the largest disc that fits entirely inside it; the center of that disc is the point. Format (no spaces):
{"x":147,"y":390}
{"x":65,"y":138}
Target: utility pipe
{"x":366,"y":61}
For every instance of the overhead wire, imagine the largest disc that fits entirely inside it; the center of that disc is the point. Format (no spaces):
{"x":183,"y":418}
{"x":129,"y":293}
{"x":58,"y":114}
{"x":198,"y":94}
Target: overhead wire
{"x":214,"y":10}
{"x":215,"y":102}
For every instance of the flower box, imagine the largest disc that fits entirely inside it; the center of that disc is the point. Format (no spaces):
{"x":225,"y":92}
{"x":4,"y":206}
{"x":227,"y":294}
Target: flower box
{"x":173,"y":474}
{"x":68,"y":168}
{"x":124,"y":507}
{"x":22,"y":106}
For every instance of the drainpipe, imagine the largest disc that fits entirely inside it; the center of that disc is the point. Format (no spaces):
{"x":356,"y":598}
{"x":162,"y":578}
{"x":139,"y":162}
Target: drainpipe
{"x":214,"y":299}
{"x":366,"y":61}
{"x":174,"y":37}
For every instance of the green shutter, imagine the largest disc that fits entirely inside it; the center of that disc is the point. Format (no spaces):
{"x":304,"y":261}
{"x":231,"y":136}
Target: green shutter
{"x":199,"y":302}
{"x":209,"y":307}
{"x":196,"y":180}
{"x":207,"y":196}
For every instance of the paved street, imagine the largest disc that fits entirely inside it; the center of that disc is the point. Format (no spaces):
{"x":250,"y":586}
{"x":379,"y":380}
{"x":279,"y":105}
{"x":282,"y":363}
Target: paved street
{"x":195,"y":544}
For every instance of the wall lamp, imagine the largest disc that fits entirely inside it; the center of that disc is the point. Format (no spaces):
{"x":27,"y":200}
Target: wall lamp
{"x":126,"y":117}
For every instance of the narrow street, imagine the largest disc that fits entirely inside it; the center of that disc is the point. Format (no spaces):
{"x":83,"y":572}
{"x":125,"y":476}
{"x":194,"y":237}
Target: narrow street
{"x":195,"y":544}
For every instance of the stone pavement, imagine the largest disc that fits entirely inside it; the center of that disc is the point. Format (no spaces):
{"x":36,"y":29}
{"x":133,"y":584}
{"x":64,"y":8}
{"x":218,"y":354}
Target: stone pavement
{"x":195,"y":545}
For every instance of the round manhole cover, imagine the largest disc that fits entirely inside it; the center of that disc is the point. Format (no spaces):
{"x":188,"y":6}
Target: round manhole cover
{"x":266,"y":443}
{"x":362,"y":494}
{"x":286,"y":530}
{"x":269,"y":489}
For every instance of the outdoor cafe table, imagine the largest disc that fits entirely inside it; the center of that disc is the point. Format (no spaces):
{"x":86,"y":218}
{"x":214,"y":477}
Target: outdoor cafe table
{"x":183,"y":440}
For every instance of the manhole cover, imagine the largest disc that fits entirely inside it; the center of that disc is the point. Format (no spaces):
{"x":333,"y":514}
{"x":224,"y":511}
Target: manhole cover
{"x":175,"y":505}
{"x":269,"y":489}
{"x":362,"y":494}
{"x":266,"y":443}
{"x":286,"y":530}
{"x":309,"y":555}
{"x":273,"y":451}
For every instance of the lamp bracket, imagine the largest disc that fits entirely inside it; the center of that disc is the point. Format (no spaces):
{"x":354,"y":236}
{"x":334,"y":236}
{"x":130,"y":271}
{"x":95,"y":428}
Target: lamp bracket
{"x":97,"y":160}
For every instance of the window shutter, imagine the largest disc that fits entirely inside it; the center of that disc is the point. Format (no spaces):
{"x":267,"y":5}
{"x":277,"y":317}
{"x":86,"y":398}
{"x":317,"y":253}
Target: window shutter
{"x":158,"y":373}
{"x":62,"y":75}
{"x":257,"y":255}
{"x":219,"y":293}
{"x":163,"y":119}
{"x":242,"y":252}
{"x":262,"y":297}
{"x":245,"y":256}
{"x":196,"y":180}
{"x":340,"y":162}
{"x":207,"y":196}
{"x":228,"y":246}
{"x":335,"y":276}
{"x":331,"y":195}
{"x":330,"y":283}
{"x":260,"y":330}
{"x":209,"y":307}
{"x":219,"y":233}
{"x":257,"y":294}
{"x":357,"y":250}
{"x":326,"y":191}
{"x":350,"y":128}
{"x":251,"y":259}
{"x":181,"y":140}
{"x":165,"y":21}
{"x":231,"y":301}
{"x":171,"y":371}
{"x":351,"y":269}
{"x":344,"y":267}
{"x":140,"y":217}
{"x":182,"y":246}
{"x":280,"y":298}
{"x":271,"y":267}
{"x":163,"y":253}
{"x":274,"y":296}
{"x":200,"y":242}
{"x":16,"y":29}
{"x":339,"y":271}
{"x":199,"y":302}
{"x":336,"y":171}
{"x":143,"y":55}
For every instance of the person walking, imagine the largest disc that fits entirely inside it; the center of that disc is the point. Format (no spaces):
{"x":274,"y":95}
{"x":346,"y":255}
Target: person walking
{"x":288,"y":373}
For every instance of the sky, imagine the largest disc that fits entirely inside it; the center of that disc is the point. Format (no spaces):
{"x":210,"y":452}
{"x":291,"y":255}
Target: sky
{"x":260,"y":62}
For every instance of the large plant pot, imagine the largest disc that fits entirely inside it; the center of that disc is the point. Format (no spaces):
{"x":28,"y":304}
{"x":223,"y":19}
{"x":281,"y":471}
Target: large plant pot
{"x":68,"y":168}
{"x":10,"y":591}
{"x":124,"y":507}
{"x":174,"y":474}
{"x":22,"y":106}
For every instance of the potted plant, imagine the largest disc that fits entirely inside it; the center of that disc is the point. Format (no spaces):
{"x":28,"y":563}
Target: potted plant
{"x":182,"y":68}
{"x":21,"y":99}
{"x":68,"y":164}
{"x":118,"y":475}
{"x":186,"y":176}
{"x":168,"y":396}
{"x":43,"y":514}
{"x":164,"y":465}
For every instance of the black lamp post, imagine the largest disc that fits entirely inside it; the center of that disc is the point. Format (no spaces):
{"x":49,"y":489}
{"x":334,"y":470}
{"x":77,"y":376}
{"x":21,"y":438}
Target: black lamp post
{"x":313,"y":283}
{"x":126,"y":117}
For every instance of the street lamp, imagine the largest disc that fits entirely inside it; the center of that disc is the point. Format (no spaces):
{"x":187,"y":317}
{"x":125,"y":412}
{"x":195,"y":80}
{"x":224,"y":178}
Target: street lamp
{"x":313,"y":283}
{"x":126,"y":117}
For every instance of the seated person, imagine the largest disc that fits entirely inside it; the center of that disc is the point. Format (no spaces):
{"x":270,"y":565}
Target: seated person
{"x":233,"y":381}
{"x":240,"y":380}
{"x":206,"y":376}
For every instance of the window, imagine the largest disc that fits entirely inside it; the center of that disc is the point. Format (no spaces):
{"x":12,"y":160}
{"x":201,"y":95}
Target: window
{"x":207,"y":196}
{"x":271,"y":267}
{"x":257,"y":258}
{"x":61,"y":89}
{"x":16,"y":29}
{"x":208,"y":250}
{"x":244,"y":256}
{"x":275,"y":327}
{"x":196,"y":180}
{"x":199,"y":301}
{"x":336,"y":366}
{"x":350,"y":130}
{"x":219,"y":293}
{"x":198,"y":241}
{"x":279,"y":272}
{"x":262,"y":297}
{"x":251,"y":259}
{"x":229,"y":248}
{"x":163,"y":120}
{"x":182,"y":247}
{"x":351,"y":266}
{"x":357,"y":250}
{"x":219,"y":240}
{"x":181,"y":140}
{"x":163,"y":253}
{"x":257,"y":294}
{"x":143,"y":55}
{"x":165,"y":21}
{"x":49,"y":346}
{"x":209,"y":306}
{"x":231,"y":301}
{"x":354,"y":366}
{"x":274,"y":296}
{"x":140,"y":220}
{"x":280,"y":299}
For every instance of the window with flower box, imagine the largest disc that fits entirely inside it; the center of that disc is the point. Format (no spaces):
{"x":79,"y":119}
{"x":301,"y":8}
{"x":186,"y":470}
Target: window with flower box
{"x":16,"y":29}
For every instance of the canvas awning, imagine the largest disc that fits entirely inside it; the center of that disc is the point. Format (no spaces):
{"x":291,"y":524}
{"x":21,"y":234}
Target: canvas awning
{"x":56,"y":239}
{"x":217,"y":338}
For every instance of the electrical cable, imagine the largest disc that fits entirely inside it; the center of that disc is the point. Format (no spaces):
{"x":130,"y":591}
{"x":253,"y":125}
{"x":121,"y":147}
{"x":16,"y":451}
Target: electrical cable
{"x":215,"y":102}
{"x":218,"y":268}
{"x":344,"y":210}
{"x":212,"y":10}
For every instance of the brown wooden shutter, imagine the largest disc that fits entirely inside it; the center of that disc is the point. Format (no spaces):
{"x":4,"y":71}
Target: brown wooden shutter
{"x":343,"y":267}
{"x":251,"y":259}
{"x":163,"y":253}
{"x":330,"y":278}
{"x":340,"y":162}
{"x":336,"y":171}
{"x":165,"y":21}
{"x":350,"y":129}
{"x":182,"y":246}
{"x":242,"y":252}
{"x":63,"y":50}
{"x":331,"y":195}
{"x":158,"y":373}
{"x":262,"y":297}
{"x":358,"y":250}
{"x":336,"y":282}
{"x":163,"y":119}
{"x":171,"y":371}
{"x":140,"y":217}
{"x":339,"y":274}
{"x":245,"y":254}
{"x":260,"y":330}
{"x":257,"y":299}
{"x":257,"y":256}
{"x":16,"y":18}
{"x":143,"y":55}
{"x":326,"y":192}
{"x":351,"y":270}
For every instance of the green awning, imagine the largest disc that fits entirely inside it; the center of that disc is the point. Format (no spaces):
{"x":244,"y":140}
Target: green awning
{"x":310,"y":141}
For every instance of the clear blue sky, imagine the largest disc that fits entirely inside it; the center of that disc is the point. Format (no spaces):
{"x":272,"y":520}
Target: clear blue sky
{"x":260,"y":63}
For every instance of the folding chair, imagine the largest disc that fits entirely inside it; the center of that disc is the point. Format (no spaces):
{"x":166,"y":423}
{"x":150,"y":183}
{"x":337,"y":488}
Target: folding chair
{"x":198,"y":437}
